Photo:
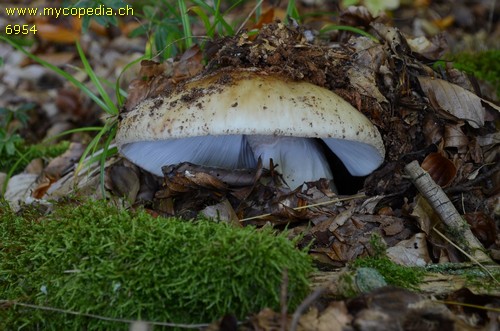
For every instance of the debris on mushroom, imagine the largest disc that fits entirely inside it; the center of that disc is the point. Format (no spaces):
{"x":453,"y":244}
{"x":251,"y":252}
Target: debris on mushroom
{"x":232,"y":117}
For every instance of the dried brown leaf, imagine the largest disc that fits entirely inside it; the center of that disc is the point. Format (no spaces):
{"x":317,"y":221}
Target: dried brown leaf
{"x":65,"y":162}
{"x":454,"y":99}
{"x":123,"y":181}
{"x":411,"y":252}
{"x":440,"y":168}
{"x":455,"y":137}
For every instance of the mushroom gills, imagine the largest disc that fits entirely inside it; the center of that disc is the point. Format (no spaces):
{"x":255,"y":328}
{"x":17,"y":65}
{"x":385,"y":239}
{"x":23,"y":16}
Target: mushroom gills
{"x":359,"y":158}
{"x":230,"y":152}
{"x":298,"y":159}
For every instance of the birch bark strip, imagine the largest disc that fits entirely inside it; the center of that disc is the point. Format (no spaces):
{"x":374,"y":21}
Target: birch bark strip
{"x":457,"y":227}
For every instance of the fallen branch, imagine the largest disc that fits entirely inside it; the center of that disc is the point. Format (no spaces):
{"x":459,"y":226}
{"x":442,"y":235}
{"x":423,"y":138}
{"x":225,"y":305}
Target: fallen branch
{"x":439,"y":201}
{"x":103,"y":318}
{"x":438,"y":282}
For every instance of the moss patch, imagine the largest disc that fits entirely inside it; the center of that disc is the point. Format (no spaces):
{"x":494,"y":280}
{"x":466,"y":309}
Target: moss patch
{"x":93,"y":258}
{"x":484,"y":65}
{"x":394,"y":274}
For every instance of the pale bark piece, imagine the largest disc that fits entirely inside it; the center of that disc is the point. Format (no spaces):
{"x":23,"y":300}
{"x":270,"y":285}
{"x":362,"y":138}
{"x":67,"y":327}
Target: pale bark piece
{"x":446,"y":211}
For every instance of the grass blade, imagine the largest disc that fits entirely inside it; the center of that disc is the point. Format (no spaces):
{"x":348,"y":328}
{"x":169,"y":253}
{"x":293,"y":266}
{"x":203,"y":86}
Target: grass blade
{"x":110,"y":105}
{"x":61,"y":72}
{"x":186,"y":25}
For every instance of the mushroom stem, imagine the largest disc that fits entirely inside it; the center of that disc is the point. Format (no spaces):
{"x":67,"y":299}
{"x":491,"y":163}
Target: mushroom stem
{"x":298,"y":159}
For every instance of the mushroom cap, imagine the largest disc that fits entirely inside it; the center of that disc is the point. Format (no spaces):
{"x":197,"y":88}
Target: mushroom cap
{"x":239,"y":102}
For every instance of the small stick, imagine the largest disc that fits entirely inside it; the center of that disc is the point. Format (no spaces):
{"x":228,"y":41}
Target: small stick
{"x":284,"y":301}
{"x":442,"y":205}
{"x":311,"y":298}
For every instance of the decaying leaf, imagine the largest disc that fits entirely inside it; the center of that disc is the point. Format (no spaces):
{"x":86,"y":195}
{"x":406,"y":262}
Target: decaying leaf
{"x":267,"y":320}
{"x":222,"y":211}
{"x":454,"y":99}
{"x":65,"y":162}
{"x":431,"y":49}
{"x":123,"y":181}
{"x":189,"y":64}
{"x":411,"y":252}
{"x":441,"y":169}
{"x":425,"y":215}
{"x":455,"y":137}
{"x":483,"y":227}
{"x":19,"y":189}
{"x":333,"y":318}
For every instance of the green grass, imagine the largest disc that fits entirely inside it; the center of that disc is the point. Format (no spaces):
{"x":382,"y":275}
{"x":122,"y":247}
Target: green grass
{"x":24,"y":154}
{"x":93,"y":258}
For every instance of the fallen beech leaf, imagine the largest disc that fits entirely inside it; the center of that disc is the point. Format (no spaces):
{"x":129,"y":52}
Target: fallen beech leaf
{"x":440,"y":168}
{"x":483,"y":227}
{"x":150,"y":69}
{"x":433,"y":131}
{"x":57,"y":34}
{"x":58,"y":59}
{"x":364,"y":81}
{"x":392,"y":225}
{"x":309,"y":321}
{"x":266,"y":18}
{"x":189,"y":64}
{"x":59,"y":166}
{"x":266,"y":320}
{"x":454,"y":99}
{"x":123,"y":181}
{"x":356,"y":16}
{"x":411,"y":252}
{"x":334,"y":318}
{"x":222,"y":211}
{"x":431,"y":49}
{"x":455,"y":137}
{"x":231,"y":177}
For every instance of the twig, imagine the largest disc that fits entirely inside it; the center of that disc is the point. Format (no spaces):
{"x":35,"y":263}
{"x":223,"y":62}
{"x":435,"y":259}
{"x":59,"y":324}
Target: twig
{"x":104,"y":318}
{"x":442,"y":205}
{"x":304,"y":305}
{"x":463,"y":304}
{"x":283,"y":300}
{"x":467,"y":186}
{"x":352,"y":197}
{"x":466,"y":254}
{"x":248,"y":16}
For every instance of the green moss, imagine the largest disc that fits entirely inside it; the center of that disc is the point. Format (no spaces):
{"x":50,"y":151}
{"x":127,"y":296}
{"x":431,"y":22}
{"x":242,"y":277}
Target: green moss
{"x":474,"y":275}
{"x":394,"y":274}
{"x":93,"y":258}
{"x":484,"y":65}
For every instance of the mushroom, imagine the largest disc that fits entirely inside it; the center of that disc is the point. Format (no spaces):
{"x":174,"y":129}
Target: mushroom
{"x":232,"y":117}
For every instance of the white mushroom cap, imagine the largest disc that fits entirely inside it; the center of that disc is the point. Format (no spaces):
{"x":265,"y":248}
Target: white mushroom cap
{"x":212,"y":120}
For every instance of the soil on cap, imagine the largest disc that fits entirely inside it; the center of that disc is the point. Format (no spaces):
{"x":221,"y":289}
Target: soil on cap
{"x":283,"y":50}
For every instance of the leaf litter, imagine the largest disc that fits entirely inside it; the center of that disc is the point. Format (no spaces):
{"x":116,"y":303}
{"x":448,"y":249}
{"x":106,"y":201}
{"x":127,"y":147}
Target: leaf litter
{"x":421,"y":114}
